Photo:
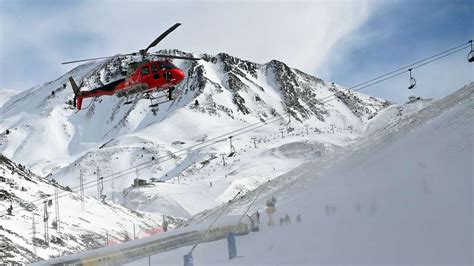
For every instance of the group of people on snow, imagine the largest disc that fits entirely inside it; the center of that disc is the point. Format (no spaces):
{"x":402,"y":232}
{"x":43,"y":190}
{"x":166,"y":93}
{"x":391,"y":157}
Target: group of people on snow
{"x":271,"y":209}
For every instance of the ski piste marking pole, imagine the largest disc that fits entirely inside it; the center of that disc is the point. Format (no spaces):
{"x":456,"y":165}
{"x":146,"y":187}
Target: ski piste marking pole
{"x":210,"y":226}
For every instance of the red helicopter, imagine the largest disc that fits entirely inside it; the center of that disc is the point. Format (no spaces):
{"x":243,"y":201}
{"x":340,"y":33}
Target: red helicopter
{"x":143,"y":77}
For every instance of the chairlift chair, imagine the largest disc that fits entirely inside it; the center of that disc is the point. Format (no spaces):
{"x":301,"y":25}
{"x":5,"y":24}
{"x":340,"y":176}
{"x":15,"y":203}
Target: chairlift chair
{"x":412,"y":80}
{"x":232,"y":148}
{"x":470,"y":55}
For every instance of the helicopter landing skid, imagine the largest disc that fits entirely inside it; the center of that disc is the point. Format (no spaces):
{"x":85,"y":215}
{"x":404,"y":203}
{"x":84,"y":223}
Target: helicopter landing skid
{"x":157,"y":104}
{"x":167,"y":97}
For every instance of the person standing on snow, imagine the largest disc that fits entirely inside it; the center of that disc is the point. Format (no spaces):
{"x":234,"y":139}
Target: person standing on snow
{"x":270,"y":210}
{"x":287,"y":219}
{"x":165,"y":224}
{"x":298,"y":218}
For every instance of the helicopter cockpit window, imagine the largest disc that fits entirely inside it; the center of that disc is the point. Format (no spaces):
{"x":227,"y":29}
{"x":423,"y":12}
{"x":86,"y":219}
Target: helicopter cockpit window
{"x":145,"y":71}
{"x":154,"y":68}
{"x":168,"y":65}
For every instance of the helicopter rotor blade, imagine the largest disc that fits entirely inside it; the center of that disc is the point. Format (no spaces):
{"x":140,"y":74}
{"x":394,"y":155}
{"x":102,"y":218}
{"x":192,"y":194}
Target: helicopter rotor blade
{"x":142,"y":52}
{"x":162,"y":36}
{"x":84,"y":60}
{"x":176,"y":57}
{"x":96,"y":58}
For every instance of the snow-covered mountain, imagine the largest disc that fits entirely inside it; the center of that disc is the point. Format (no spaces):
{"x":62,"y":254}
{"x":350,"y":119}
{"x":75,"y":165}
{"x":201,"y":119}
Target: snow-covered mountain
{"x":221,"y":93}
{"x":76,"y":230}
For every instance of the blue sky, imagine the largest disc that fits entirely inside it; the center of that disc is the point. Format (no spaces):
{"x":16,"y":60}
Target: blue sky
{"x":342,"y":41}
{"x":401,"y":32}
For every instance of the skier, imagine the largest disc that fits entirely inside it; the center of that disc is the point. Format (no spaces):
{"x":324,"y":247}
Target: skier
{"x":10,"y":209}
{"x":256,"y":216}
{"x":287,"y":219}
{"x":270,"y":210}
{"x":165,"y":224}
{"x":298,"y":218}
{"x":254,"y":223}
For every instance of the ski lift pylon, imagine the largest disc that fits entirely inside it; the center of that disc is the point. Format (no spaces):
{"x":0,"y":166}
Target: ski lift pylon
{"x":470,"y":55}
{"x":412,"y":80}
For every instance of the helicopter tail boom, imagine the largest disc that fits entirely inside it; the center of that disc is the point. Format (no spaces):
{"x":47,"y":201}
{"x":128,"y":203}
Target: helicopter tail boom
{"x":77,"y":91}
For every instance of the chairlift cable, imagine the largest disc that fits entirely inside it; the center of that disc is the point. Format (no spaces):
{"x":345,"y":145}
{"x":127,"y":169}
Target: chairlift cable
{"x":453,"y":52}
{"x":412,"y":64}
{"x":394,"y":73}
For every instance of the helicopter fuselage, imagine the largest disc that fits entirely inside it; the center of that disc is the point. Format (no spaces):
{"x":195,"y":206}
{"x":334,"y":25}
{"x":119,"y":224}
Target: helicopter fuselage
{"x":145,"y":77}
{"x":150,"y":76}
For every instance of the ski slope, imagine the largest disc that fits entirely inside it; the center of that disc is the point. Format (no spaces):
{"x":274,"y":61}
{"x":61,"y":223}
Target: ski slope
{"x":402,"y":196}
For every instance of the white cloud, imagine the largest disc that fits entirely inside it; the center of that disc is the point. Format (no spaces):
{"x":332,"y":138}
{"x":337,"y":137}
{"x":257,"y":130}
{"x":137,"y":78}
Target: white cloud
{"x":302,"y":34}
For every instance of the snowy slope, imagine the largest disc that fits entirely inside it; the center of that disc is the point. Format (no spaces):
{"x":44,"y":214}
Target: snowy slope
{"x":78,"y":230}
{"x":401,"y":196}
{"x":392,"y":114}
{"x":192,"y":191}
{"x":48,"y":136}
{"x":5,"y":95}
